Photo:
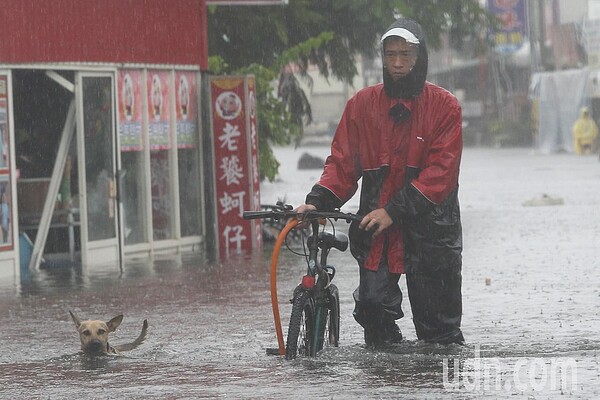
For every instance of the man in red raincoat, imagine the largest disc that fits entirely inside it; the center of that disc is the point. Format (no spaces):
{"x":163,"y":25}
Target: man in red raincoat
{"x":404,"y":139}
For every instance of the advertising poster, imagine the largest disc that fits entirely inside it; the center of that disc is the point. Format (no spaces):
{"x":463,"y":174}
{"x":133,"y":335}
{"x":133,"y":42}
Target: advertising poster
{"x":159,"y":109}
{"x":513,"y":30}
{"x":186,"y":108}
{"x":233,"y":175}
{"x":4,"y":145}
{"x":6,"y":223}
{"x":130,"y":110}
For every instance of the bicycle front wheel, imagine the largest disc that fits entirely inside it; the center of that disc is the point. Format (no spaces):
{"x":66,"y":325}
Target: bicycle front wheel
{"x":301,"y":328}
{"x":332,"y":330}
{"x":327,"y":321}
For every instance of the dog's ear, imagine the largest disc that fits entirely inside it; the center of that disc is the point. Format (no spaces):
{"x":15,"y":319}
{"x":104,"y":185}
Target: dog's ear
{"x":75,"y":319}
{"x":114,"y":323}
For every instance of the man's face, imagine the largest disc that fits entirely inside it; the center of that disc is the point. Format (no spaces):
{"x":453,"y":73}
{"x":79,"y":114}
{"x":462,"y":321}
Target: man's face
{"x":399,"y":57}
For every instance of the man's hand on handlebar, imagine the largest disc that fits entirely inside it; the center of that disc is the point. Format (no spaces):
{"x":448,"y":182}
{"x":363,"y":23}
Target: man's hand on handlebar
{"x":377,"y":220}
{"x":304,"y":208}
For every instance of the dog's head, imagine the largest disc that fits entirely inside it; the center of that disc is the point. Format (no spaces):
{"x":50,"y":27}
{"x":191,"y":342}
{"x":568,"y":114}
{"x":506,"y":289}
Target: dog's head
{"x":94,"y":333}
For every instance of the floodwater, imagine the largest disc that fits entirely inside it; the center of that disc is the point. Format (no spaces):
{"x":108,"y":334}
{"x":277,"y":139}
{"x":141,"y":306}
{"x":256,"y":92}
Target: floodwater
{"x":531,"y":294}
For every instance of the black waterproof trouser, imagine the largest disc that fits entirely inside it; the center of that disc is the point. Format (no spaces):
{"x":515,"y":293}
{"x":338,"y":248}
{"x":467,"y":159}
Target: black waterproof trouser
{"x":436,"y":302}
{"x":435,"y":299}
{"x":378,"y":304}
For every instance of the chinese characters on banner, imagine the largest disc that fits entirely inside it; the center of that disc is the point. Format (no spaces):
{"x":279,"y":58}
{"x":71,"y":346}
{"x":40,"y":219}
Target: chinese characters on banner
{"x":513,"y":21}
{"x":235,"y":145}
{"x":130,"y":110}
{"x":159,"y":110}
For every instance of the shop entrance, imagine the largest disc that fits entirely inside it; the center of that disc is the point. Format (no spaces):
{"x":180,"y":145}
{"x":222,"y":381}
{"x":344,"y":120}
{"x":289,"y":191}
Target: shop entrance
{"x":41,"y":115}
{"x":65,"y":158}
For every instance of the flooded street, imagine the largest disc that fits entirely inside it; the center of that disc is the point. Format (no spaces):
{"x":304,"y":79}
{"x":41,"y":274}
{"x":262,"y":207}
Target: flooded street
{"x":531,"y":295}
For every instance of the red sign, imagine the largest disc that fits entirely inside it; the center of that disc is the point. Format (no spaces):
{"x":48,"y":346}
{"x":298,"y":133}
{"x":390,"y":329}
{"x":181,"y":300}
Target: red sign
{"x":6,"y":206}
{"x":236,"y":189}
{"x":4,"y":143}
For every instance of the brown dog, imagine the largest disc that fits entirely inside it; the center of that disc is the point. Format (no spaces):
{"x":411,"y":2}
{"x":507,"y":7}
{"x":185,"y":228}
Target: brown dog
{"x":94,"y":335}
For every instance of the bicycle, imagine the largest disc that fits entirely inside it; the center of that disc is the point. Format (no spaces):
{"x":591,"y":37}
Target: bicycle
{"x":315,"y":314}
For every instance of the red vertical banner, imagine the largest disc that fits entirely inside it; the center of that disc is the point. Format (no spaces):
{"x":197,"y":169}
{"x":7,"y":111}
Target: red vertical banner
{"x":253,"y":158}
{"x":6,"y":206}
{"x":233,"y":172}
{"x":4,"y":135}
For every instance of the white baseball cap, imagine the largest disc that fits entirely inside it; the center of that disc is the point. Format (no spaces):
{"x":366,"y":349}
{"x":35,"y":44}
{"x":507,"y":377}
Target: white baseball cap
{"x":403,"y":33}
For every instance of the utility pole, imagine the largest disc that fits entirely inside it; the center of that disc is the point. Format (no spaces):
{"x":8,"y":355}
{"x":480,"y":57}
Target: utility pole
{"x":535,"y":12}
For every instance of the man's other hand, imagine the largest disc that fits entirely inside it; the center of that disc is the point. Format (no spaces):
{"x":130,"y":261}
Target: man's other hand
{"x":377,"y":220}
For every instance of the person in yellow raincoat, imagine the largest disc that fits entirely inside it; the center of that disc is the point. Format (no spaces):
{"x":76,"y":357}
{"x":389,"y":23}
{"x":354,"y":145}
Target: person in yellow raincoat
{"x":585,"y":132}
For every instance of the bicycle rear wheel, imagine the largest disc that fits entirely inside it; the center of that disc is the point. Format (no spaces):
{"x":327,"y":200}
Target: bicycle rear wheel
{"x":301,"y":328}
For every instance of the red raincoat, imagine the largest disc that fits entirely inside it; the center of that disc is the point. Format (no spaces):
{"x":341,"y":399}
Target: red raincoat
{"x":368,"y":143}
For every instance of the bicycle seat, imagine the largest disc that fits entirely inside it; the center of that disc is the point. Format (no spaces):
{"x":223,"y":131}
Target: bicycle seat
{"x":338,"y":241}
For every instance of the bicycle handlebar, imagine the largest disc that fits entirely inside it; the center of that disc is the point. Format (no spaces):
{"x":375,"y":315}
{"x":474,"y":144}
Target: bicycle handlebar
{"x":285,"y":213}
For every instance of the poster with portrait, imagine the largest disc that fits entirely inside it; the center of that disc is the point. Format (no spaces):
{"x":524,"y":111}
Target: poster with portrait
{"x":159,"y":109}
{"x":186,"y":108}
{"x":234,"y":178}
{"x":4,"y":143}
{"x":6,"y":220}
{"x":129,"y":84}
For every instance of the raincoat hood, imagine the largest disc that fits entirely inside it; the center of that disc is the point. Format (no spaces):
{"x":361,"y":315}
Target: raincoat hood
{"x":412,"y":84}
{"x":584,"y":112}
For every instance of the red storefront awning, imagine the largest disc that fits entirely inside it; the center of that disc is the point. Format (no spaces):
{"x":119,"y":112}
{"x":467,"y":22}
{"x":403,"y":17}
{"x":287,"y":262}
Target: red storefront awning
{"x":105,"y":31}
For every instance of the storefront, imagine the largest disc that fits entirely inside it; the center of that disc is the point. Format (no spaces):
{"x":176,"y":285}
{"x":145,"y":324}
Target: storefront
{"x":100,"y":131}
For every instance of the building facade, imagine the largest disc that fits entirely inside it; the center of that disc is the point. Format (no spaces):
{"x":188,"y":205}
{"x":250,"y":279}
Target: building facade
{"x":100,"y":131}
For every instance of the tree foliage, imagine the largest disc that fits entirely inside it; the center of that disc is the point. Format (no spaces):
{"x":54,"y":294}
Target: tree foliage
{"x":328,"y":34}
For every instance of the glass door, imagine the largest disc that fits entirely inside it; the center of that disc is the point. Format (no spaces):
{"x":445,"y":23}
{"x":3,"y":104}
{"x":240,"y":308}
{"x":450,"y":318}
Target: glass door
{"x":100,"y":223}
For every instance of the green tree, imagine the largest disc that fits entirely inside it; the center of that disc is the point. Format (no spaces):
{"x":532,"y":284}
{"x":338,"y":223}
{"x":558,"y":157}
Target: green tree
{"x":266,"y":40}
